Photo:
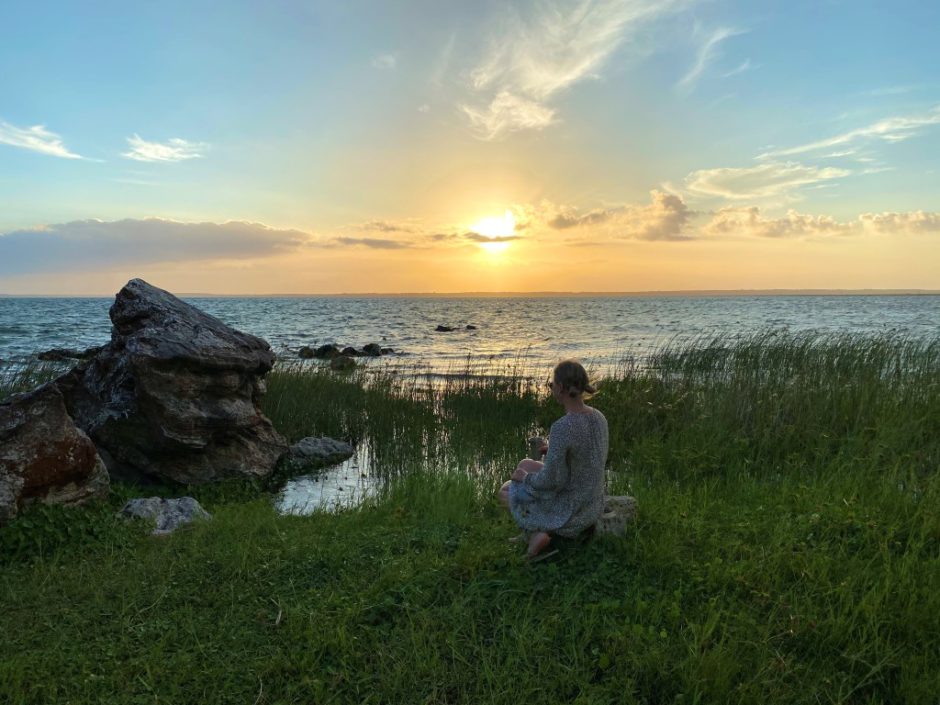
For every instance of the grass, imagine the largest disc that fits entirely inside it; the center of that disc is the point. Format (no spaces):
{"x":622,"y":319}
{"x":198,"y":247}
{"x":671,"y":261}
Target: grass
{"x":787,"y":550}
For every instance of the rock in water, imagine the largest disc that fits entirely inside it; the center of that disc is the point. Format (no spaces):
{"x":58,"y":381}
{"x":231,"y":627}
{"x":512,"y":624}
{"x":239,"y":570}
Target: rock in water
{"x":175,"y":394}
{"x":43,"y":456}
{"x":311,"y":453}
{"x":167,"y":514}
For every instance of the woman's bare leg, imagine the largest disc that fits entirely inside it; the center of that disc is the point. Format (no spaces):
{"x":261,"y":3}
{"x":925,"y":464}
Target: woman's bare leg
{"x":503,"y":493}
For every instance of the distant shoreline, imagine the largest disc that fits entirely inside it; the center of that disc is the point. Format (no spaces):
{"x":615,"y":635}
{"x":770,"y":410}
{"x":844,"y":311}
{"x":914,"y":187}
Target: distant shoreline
{"x":527,"y":294}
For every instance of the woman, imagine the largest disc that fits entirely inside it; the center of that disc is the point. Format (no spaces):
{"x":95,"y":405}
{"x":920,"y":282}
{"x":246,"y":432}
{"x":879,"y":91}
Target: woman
{"x":564,"y":495}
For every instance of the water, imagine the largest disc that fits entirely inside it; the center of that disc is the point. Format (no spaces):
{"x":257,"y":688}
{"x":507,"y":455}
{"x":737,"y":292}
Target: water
{"x":598,"y":330}
{"x":532,"y":331}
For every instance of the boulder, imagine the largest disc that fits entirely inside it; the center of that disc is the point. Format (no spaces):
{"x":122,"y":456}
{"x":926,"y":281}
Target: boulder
{"x":372,"y":350}
{"x":167,"y":515}
{"x":305,"y":353}
{"x":350,"y":352}
{"x":175,"y":394}
{"x":326,"y":352}
{"x":343,"y":363}
{"x":312,"y":453}
{"x":43,"y":456}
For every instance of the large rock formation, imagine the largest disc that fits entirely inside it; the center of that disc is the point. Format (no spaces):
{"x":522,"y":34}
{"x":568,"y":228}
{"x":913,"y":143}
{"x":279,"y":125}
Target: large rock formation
{"x":43,"y":456}
{"x":175,"y":394}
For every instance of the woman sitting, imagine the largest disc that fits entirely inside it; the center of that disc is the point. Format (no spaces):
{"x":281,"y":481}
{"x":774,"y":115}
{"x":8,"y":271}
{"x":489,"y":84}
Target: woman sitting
{"x":564,"y":495}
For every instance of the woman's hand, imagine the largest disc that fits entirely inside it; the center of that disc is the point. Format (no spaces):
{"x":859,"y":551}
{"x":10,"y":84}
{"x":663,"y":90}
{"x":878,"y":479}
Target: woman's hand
{"x":518,"y":475}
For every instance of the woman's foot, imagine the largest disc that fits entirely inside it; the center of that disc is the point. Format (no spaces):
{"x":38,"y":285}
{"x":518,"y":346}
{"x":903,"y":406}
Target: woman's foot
{"x":538,"y":542}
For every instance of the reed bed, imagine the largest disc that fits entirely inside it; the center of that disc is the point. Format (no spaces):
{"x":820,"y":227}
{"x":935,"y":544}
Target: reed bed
{"x":787,"y":549}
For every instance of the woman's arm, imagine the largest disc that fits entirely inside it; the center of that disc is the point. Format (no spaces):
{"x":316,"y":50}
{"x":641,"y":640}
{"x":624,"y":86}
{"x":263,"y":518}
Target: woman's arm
{"x":554,"y":472}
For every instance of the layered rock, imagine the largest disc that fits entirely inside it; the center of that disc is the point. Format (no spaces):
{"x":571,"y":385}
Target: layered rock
{"x":175,"y":394}
{"x":43,"y":456}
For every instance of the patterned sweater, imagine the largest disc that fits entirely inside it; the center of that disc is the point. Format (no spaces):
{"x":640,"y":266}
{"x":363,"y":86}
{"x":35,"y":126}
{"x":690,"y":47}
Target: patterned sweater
{"x":567,"y":495}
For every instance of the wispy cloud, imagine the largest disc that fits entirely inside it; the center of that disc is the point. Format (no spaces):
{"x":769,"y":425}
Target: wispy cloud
{"x":761,"y":181}
{"x":477,"y":237}
{"x":508,"y":113}
{"x":893,"y":129}
{"x":374,"y":243}
{"x":539,"y":54}
{"x":173,"y":150}
{"x":385,"y":226}
{"x":36,"y":139}
{"x":745,"y":65}
{"x":706,"y":53}
{"x":96,"y":245}
{"x":385,"y":62}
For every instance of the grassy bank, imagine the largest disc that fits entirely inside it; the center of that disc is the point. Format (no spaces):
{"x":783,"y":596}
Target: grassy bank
{"x":787,"y":550}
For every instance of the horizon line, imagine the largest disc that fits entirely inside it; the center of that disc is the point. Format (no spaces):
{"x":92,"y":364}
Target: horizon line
{"x":523,"y":294}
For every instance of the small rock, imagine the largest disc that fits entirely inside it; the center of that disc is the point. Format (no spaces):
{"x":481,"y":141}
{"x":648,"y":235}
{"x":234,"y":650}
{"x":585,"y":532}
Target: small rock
{"x":351,"y":352}
{"x":167,"y":514}
{"x":443,"y":329}
{"x":618,"y":512}
{"x":372,"y":350}
{"x":306,"y":352}
{"x":326,"y":352}
{"x":313,"y":452}
{"x":387,"y":351}
{"x":470,"y":327}
{"x":342,"y":363}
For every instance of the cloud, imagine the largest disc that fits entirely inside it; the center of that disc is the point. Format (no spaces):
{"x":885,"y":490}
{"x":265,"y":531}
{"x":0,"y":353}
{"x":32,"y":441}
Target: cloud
{"x":36,"y":139}
{"x":664,"y":218}
{"x":174,"y":150}
{"x":374,"y":243}
{"x":89,"y":245}
{"x":763,"y":180}
{"x":385,"y":62}
{"x":539,"y":54}
{"x":893,"y":129}
{"x":916,"y":221}
{"x":745,"y":65}
{"x":706,"y":52}
{"x":384,"y":226}
{"x":750,"y":222}
{"x":477,"y":237}
{"x":508,"y":113}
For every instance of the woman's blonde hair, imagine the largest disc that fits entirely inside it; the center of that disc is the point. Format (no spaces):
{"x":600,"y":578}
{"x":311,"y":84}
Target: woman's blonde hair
{"x":573,"y":378}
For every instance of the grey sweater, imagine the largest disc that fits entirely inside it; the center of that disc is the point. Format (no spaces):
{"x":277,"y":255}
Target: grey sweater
{"x":567,"y":495}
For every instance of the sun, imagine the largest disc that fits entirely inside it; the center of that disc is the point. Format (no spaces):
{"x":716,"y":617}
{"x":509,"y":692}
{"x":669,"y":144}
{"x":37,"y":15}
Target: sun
{"x":497,"y":228}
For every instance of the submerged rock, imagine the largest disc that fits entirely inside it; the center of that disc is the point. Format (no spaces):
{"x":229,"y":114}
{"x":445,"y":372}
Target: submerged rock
{"x":312,"y":452}
{"x":372,"y":350}
{"x":44,"y":457}
{"x":326,"y":352}
{"x":351,"y":352}
{"x":175,"y":394}
{"x":443,"y":329}
{"x":343,"y":363}
{"x":305,"y":353}
{"x":167,"y":514}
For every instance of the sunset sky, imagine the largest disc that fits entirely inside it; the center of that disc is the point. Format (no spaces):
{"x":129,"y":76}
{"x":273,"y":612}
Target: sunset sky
{"x":326,"y":147}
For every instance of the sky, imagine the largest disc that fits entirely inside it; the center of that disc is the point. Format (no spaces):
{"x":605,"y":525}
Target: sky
{"x":443,"y":146}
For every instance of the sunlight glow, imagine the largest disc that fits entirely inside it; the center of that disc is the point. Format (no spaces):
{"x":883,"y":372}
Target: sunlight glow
{"x":495,"y":227}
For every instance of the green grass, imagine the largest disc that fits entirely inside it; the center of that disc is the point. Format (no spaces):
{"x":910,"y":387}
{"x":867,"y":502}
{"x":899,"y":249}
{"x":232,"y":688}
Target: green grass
{"x":787,"y":551}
